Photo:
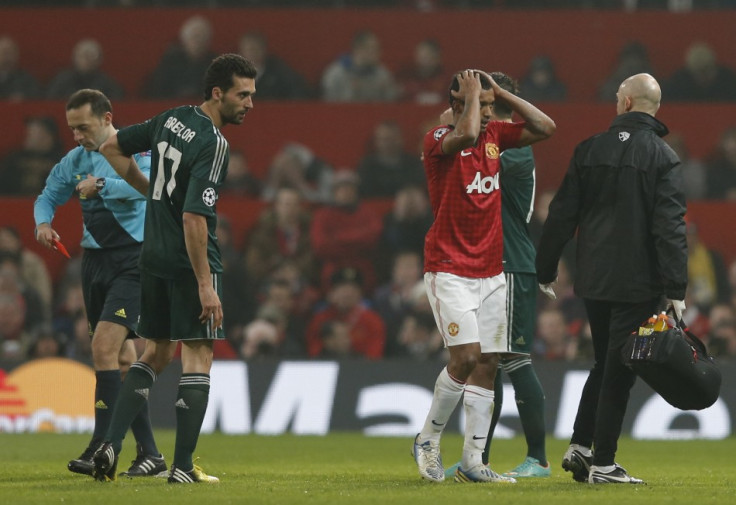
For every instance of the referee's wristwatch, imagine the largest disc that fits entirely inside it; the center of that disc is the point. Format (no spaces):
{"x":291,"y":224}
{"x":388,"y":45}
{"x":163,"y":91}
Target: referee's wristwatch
{"x":100,"y":184}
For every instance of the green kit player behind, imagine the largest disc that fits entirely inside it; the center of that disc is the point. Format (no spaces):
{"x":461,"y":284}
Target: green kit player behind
{"x":181,"y":269}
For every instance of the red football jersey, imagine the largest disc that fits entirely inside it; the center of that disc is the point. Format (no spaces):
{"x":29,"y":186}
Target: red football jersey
{"x":466,"y":238}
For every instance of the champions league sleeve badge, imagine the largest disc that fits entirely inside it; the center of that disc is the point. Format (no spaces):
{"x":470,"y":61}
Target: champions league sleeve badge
{"x":209,"y":197}
{"x":440,"y":132}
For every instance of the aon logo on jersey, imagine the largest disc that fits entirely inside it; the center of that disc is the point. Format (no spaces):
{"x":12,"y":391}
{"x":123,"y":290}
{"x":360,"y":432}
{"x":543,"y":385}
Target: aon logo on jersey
{"x":483,"y":184}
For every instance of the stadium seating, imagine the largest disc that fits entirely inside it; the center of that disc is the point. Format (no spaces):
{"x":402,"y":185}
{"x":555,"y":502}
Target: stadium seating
{"x":583,"y":44}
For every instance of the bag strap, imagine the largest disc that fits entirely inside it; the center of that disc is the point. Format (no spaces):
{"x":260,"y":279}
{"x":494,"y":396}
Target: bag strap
{"x":694,"y":341}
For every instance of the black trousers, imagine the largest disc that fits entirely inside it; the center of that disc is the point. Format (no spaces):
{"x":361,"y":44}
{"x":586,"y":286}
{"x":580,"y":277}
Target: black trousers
{"x":606,"y":391}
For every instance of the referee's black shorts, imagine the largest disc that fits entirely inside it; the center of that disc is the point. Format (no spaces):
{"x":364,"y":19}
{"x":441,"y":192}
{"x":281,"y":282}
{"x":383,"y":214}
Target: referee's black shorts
{"x":112,"y":286}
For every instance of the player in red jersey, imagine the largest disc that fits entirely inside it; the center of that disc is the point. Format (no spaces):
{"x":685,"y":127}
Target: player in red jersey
{"x":464,"y":262}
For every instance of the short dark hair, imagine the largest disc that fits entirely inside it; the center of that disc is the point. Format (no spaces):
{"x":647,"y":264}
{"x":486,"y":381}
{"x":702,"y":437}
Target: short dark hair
{"x":509,"y":84}
{"x":222,"y":69}
{"x":97,"y":100}
{"x":455,"y":85}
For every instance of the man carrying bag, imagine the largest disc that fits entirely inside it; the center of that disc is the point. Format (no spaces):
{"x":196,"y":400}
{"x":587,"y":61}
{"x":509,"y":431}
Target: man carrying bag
{"x":623,"y":195}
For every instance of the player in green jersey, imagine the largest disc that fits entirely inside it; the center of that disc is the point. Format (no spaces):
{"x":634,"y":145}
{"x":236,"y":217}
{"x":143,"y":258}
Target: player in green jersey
{"x":180,"y":262}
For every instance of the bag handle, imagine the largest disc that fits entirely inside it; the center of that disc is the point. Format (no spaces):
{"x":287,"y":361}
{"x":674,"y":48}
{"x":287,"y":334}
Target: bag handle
{"x":693,"y":339}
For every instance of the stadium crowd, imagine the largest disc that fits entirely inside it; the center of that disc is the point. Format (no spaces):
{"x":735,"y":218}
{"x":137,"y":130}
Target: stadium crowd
{"x":321,"y":274}
{"x":297,"y":290}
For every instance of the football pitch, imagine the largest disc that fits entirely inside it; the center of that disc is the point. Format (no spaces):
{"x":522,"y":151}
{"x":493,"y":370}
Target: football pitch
{"x":352,"y":468}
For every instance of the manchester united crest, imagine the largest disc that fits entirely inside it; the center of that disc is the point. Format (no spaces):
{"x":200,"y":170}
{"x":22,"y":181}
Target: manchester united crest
{"x":492,"y":150}
{"x":452,"y":329}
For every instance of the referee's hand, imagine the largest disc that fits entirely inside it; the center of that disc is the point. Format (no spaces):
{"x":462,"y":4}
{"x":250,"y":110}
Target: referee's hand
{"x":45,"y":234}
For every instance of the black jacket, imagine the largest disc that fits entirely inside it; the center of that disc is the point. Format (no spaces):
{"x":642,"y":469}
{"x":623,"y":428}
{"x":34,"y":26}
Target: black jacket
{"x":623,"y":192}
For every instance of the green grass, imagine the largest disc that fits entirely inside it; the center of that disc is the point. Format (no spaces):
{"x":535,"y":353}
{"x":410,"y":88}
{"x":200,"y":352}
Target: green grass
{"x":350,"y":468}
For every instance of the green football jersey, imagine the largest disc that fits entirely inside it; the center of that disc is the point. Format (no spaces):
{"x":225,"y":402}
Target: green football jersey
{"x":189,"y":158}
{"x":517,"y":203}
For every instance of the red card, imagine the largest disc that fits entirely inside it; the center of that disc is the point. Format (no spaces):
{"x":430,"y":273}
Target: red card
{"x":60,"y":247}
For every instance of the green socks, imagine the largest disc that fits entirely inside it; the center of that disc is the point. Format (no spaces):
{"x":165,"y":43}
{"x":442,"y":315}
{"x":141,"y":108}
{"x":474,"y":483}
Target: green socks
{"x":191,"y":405}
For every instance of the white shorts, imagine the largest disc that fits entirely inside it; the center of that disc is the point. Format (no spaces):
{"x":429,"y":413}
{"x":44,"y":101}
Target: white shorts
{"x":469,"y":310}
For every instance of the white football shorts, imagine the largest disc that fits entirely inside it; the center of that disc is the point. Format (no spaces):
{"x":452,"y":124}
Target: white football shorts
{"x":469,"y":310}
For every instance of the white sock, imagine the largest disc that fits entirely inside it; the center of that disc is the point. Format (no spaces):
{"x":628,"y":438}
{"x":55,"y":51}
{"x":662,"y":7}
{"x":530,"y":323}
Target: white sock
{"x":585,"y":451}
{"x":478,"y":404}
{"x":604,"y":469}
{"x":447,"y":393}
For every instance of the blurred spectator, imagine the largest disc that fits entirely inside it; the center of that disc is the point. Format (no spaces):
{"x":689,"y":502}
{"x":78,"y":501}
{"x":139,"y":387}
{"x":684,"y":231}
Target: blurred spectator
{"x":416,"y":305}
{"x":32,"y":267}
{"x":45,"y":345}
{"x":388,"y":166}
{"x":701,"y":79}
{"x":554,"y":341}
{"x":304,"y":296}
{"x":238,"y":292}
{"x":80,"y":347}
{"x":405,"y":226}
{"x":84,"y":73}
{"x":279,"y":306}
{"x":21,"y":310}
{"x":359,"y":76}
{"x":23,"y":172}
{"x":296,"y":166}
{"x":395,"y":299}
{"x":345,"y":304}
{"x":419,"y":338}
{"x":37,"y":313}
{"x":259,"y":340}
{"x":336,"y":340}
{"x":633,"y":59}
{"x":70,"y":317}
{"x":345,"y":234}
{"x":721,"y":168}
{"x":282,"y":232}
{"x":424,"y":80}
{"x":540,"y":83}
{"x":275,"y":80}
{"x":180,"y":73}
{"x":15,"y":83}
{"x":707,"y":282}
{"x":240,"y":181}
{"x":14,"y":337}
{"x":721,"y":338}
{"x":693,"y":170}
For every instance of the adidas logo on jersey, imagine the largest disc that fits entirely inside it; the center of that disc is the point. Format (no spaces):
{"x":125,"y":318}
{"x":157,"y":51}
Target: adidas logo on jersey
{"x":483,"y":184}
{"x":120,"y":313}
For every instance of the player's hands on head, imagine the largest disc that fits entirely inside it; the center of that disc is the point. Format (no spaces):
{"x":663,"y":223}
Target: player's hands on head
{"x":469,"y":84}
